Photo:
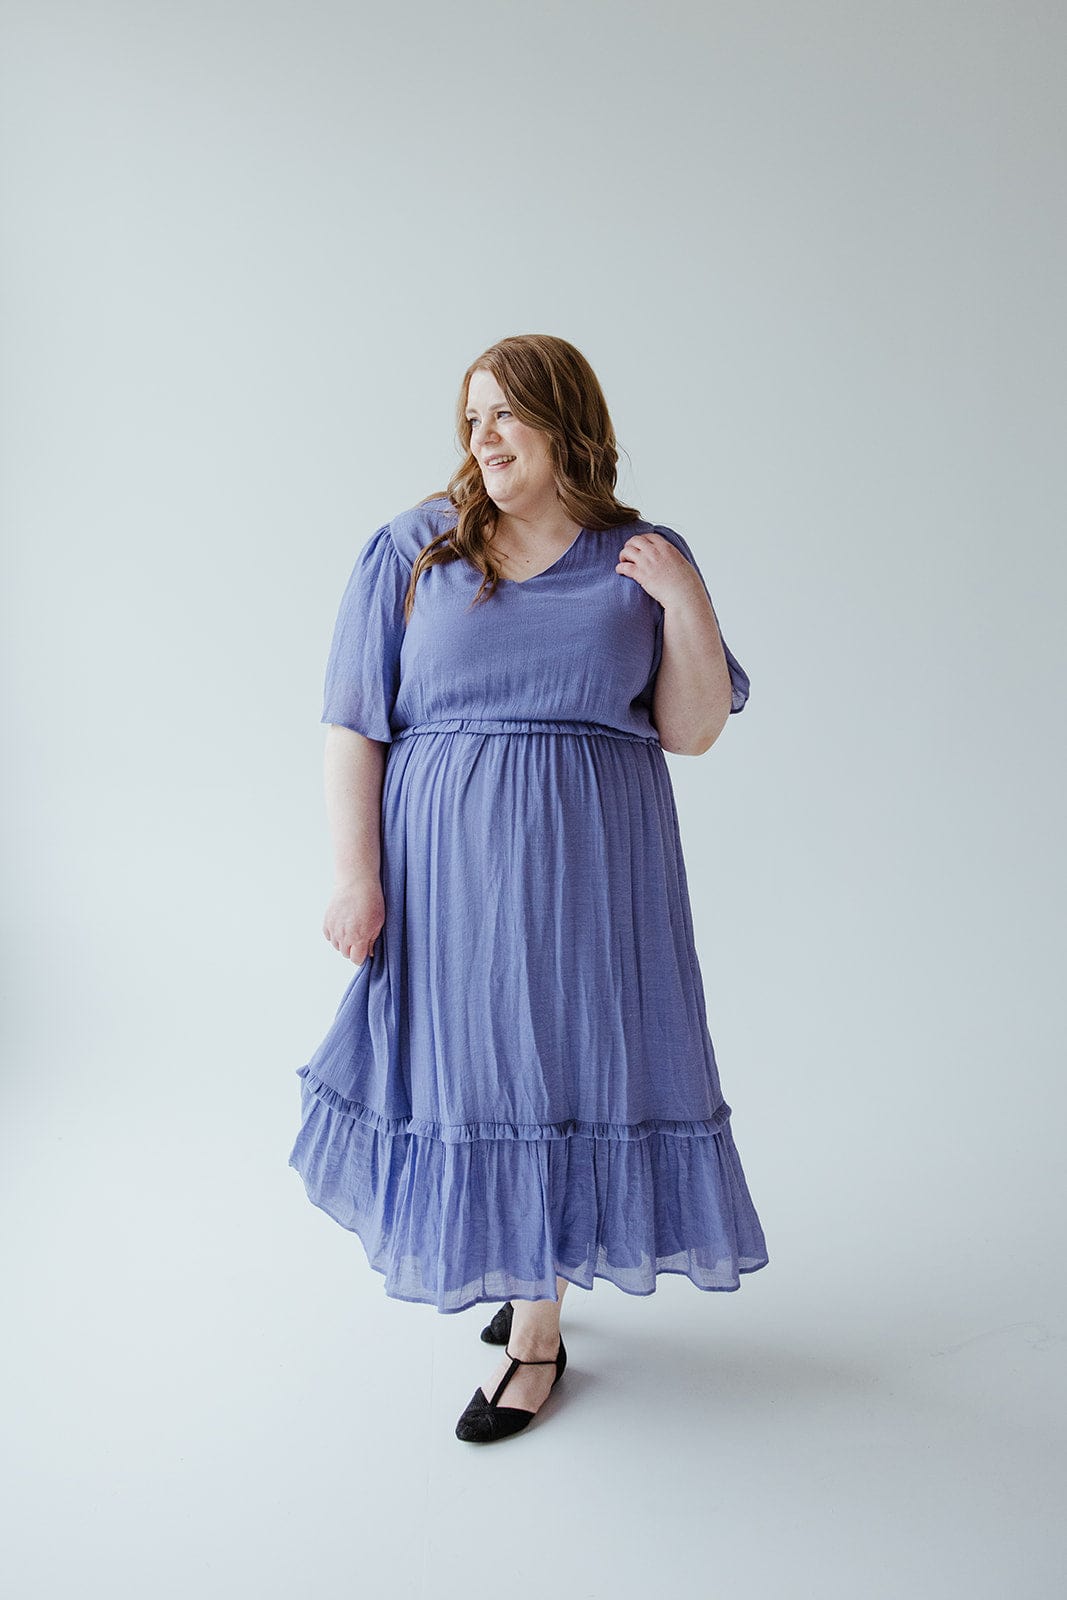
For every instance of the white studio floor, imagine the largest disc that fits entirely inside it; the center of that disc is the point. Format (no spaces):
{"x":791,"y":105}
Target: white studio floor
{"x":209,"y":1394}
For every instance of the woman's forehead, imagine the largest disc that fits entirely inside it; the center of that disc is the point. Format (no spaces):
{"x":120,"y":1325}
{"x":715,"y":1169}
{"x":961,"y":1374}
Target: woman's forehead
{"x":484,"y":384}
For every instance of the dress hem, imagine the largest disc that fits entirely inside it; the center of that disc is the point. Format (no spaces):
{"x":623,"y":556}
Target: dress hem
{"x":494,"y":1299}
{"x":437,"y":1219}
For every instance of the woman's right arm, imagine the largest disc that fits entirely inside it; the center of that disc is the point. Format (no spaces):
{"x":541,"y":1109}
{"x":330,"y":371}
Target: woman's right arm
{"x":353,"y":770}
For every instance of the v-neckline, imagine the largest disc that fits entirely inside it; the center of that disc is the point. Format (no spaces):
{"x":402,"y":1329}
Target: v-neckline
{"x":520,"y":583}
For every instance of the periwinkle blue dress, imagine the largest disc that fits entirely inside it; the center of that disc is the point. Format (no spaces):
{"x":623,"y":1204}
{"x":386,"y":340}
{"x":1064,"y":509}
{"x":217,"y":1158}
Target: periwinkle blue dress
{"x":520,"y":1081}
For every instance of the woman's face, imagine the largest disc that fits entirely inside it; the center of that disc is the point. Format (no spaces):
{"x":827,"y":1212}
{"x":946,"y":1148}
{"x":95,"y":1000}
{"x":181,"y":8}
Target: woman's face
{"x":522,"y":485}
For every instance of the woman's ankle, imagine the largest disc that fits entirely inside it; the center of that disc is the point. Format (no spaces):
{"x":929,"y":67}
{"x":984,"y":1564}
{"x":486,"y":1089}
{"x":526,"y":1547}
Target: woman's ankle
{"x":535,"y":1333}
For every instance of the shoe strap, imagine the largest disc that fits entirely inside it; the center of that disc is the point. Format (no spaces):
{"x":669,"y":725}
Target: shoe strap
{"x":549,"y":1363}
{"x":516,"y":1362}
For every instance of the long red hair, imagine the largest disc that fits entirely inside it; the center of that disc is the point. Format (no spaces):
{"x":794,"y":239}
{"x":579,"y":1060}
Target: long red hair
{"x":550,"y":386}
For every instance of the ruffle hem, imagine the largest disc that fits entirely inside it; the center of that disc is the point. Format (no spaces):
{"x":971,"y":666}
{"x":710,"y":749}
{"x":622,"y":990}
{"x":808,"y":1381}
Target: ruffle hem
{"x":431,"y":1203}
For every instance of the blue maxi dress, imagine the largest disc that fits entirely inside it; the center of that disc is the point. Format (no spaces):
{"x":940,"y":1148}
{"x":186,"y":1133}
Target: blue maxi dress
{"x":519,"y":1082}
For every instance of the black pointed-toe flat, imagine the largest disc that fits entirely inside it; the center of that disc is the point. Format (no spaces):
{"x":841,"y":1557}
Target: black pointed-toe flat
{"x":484,"y":1420}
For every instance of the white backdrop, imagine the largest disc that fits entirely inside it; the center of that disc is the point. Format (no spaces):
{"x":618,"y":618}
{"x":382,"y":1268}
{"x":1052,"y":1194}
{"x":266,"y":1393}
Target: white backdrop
{"x":814,"y":251}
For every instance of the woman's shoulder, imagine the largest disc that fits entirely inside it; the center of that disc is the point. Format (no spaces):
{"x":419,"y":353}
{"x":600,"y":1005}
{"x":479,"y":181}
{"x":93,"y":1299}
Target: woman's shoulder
{"x":414,"y":527}
{"x":648,"y":526}
{"x":672,"y":536}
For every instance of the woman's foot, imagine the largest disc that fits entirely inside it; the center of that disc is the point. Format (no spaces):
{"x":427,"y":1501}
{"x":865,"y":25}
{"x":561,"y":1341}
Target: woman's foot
{"x":529,"y":1387}
{"x":534,"y":1337}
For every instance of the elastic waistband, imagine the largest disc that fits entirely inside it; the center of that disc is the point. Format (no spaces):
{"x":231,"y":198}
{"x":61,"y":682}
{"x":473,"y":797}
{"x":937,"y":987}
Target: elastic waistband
{"x":522,"y":725}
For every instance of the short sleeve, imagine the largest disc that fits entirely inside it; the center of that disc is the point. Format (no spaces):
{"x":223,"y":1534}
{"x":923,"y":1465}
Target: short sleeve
{"x":363,"y":668}
{"x":738,"y":676}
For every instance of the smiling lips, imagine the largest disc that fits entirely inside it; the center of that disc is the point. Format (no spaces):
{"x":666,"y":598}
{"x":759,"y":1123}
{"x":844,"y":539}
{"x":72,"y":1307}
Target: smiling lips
{"x":497,"y":463}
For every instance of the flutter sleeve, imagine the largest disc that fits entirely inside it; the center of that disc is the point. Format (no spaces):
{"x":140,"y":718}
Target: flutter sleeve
{"x":363,"y":668}
{"x":738,"y":676}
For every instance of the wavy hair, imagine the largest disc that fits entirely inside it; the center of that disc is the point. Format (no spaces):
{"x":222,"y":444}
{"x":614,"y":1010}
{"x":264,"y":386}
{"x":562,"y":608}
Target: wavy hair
{"x":550,"y":386}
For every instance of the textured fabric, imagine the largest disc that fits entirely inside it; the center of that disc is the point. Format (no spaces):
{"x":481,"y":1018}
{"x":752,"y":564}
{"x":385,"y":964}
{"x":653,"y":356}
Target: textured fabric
{"x":520,"y":1080}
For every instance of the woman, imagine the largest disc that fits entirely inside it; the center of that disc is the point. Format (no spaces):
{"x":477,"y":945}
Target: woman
{"x":519,"y":1090}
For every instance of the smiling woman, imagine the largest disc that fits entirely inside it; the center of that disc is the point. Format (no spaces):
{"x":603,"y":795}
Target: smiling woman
{"x":519,"y":1090}
{"x":535,"y":400}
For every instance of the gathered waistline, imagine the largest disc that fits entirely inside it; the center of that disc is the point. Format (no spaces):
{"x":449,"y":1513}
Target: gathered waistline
{"x":522,"y":725}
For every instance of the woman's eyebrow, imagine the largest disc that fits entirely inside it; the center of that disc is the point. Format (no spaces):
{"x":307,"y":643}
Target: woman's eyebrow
{"x":503,"y":406}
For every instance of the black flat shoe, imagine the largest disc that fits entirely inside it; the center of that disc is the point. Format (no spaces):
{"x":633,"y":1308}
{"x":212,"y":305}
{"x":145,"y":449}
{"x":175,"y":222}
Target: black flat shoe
{"x":499,"y":1330}
{"x":484,"y":1420}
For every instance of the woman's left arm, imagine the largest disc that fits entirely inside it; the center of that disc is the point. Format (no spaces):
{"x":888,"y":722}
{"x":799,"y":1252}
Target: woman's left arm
{"x":692,"y":694}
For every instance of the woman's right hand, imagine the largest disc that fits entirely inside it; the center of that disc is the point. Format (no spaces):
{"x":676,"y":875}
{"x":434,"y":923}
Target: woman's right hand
{"x":354,"y":917}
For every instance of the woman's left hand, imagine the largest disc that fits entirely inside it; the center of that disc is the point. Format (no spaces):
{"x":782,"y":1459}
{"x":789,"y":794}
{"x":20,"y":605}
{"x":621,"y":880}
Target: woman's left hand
{"x":660,"y":568}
